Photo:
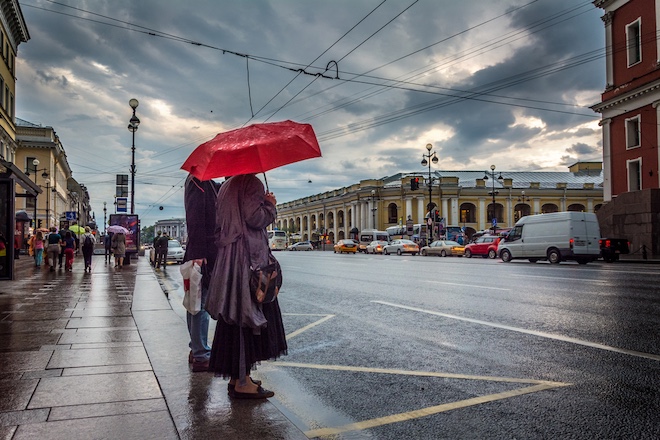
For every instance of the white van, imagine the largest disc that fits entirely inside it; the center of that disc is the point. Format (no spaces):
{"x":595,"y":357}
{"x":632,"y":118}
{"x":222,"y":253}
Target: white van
{"x":555,"y":237}
{"x":369,"y":235}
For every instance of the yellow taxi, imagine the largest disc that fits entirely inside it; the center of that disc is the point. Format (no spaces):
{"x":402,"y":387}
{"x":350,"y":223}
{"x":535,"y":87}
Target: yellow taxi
{"x":347,"y":245}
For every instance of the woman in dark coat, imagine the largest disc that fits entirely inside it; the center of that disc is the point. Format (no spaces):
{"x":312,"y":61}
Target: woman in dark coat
{"x":247,"y":332}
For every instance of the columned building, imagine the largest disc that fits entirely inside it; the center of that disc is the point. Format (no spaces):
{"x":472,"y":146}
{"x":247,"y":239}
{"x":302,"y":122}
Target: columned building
{"x":462,"y":198}
{"x":174,"y":228}
{"x":630,"y":109}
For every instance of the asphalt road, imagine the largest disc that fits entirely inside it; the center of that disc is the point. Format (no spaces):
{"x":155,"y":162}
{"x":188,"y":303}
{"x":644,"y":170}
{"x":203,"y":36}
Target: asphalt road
{"x":393,"y":347}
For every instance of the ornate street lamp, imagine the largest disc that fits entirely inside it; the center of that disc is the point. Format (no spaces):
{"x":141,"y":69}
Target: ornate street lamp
{"x":133,"y":124}
{"x":493,"y":193}
{"x":432,"y":158}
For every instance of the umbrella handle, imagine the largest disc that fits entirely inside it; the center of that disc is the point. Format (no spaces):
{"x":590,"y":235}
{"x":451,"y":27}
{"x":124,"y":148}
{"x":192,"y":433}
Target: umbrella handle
{"x":266,"y":180}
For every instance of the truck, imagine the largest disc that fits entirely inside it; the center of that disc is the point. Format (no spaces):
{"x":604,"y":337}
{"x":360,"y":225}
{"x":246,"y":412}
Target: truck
{"x":611,"y":248}
{"x":556,"y":237}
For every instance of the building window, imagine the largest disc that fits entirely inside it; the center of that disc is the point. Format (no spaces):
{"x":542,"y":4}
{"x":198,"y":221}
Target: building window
{"x":468,"y":213}
{"x":633,"y":134}
{"x":634,"y":42}
{"x":548,"y":208}
{"x":392,"y":213}
{"x":634,"y":174}
{"x":576,"y":207}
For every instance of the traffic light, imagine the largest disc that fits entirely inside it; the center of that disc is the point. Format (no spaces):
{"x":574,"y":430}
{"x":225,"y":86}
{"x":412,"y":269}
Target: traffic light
{"x":414,"y":183}
{"x":436,"y":216}
{"x":39,"y":223}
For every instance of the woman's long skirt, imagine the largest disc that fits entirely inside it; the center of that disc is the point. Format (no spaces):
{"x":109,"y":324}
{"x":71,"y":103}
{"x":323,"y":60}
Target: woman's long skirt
{"x":226,"y":348}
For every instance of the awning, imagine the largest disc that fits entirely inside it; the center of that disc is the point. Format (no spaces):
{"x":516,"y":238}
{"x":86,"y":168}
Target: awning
{"x":8,"y":169}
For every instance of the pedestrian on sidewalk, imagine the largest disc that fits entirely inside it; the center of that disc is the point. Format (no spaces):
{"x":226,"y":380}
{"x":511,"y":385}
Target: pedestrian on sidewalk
{"x":38,"y":244}
{"x":107,"y":244}
{"x":54,"y":247}
{"x":154,"y":247}
{"x":161,"y":250}
{"x":199,"y":200}
{"x":69,"y":250}
{"x":88,"y":241}
{"x":246,"y":332}
{"x":119,"y":249}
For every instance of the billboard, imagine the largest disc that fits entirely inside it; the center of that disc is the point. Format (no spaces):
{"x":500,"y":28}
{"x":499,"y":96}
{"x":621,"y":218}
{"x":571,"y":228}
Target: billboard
{"x":130,"y":222}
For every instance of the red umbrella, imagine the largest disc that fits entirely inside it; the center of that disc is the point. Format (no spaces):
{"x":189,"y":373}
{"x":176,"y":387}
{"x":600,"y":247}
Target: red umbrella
{"x":253,"y":149}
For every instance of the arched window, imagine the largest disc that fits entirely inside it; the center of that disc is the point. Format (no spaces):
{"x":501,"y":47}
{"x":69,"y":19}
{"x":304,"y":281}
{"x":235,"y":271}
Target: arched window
{"x":521,"y":210}
{"x":576,"y":207}
{"x":597,"y":207}
{"x":392,"y":213}
{"x":548,"y":208}
{"x":331,"y":220}
{"x":499,"y":212}
{"x":340,"y":218}
{"x":468,"y":213}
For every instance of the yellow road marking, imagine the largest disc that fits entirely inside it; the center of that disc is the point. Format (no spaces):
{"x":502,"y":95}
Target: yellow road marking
{"x":307,"y":327}
{"x":537,"y":385}
{"x":402,"y":417}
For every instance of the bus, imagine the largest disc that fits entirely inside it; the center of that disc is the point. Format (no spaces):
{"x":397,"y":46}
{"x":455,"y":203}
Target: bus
{"x":277,"y":240}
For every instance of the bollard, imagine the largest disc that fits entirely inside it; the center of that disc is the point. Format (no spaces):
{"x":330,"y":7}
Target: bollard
{"x":644,"y":255}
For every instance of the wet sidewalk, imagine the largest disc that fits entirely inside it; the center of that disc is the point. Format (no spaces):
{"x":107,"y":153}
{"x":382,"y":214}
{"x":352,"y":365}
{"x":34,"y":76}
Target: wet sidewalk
{"x":103,"y":355}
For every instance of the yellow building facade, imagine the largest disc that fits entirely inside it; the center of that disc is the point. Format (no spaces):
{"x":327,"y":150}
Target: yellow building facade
{"x":462,"y":198}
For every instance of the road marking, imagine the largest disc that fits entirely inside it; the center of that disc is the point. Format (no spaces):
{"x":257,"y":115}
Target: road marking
{"x":467,"y":285}
{"x":307,"y":327}
{"x":640,"y":354}
{"x":537,"y":385}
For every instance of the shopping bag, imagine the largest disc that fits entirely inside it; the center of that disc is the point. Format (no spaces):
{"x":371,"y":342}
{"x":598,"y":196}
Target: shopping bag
{"x":192,"y":286}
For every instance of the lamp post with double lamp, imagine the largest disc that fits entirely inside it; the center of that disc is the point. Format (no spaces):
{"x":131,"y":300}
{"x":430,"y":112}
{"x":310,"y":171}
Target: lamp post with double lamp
{"x":432,"y":157}
{"x":48,"y":204}
{"x":493,"y":192}
{"x":133,"y":124}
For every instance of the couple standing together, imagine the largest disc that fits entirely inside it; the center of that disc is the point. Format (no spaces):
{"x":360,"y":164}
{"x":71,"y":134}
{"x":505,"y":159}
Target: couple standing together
{"x":226,"y":235}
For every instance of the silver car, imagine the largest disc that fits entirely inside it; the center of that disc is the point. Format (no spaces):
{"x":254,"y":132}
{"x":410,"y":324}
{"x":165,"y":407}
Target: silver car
{"x":301,"y":246}
{"x":400,"y":247}
{"x":175,"y":251}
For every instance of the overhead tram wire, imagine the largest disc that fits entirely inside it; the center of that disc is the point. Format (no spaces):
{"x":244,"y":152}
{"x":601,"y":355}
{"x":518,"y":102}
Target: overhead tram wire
{"x":316,"y":59}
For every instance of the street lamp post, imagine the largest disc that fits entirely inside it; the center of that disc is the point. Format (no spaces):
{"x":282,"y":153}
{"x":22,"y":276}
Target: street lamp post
{"x":493,"y":193}
{"x":48,"y":204}
{"x":133,"y":124}
{"x":432,"y":157}
{"x":105,"y":211}
{"x":373,"y":209}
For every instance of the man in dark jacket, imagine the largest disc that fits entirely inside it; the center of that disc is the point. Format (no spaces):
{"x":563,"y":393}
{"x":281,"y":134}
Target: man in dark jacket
{"x":161,"y":250}
{"x":199,"y":200}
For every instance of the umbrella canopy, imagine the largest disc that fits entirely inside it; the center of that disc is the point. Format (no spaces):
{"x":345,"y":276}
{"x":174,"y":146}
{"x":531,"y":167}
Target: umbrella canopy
{"x":116,"y":229}
{"x":253,"y":149}
{"x":76,"y":229}
{"x":23,"y":216}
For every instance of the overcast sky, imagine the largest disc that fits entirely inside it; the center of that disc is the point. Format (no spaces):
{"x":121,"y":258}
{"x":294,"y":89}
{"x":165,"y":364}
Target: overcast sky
{"x":504,"y":82}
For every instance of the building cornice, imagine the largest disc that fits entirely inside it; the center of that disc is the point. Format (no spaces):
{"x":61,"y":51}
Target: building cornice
{"x":634,"y":94}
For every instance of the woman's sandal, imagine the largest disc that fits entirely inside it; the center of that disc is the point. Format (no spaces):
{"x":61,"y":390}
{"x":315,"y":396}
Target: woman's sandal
{"x":261,"y":393}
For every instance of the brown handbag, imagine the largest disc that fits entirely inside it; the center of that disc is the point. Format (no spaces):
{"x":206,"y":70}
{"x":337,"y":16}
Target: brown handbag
{"x":265,"y":282}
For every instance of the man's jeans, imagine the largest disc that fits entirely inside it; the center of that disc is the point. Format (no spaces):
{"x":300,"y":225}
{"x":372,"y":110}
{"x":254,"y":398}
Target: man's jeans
{"x":198,"y":328}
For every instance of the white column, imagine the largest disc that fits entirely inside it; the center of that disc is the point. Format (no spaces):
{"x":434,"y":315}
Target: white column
{"x":609,"y":48}
{"x":455,"y":217}
{"x":421,"y":210}
{"x":445,"y":212}
{"x":409,"y":210}
{"x":482,"y":214}
{"x":353,"y":217}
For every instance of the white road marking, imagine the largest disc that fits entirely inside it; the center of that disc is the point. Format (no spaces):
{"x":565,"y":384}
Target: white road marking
{"x":640,"y":354}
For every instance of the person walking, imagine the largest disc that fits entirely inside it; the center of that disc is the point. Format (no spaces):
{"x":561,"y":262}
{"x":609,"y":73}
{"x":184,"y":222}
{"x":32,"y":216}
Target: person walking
{"x":119,"y":249}
{"x":107,"y":244}
{"x":38,"y":244}
{"x":199,"y":200}
{"x":69,"y":250}
{"x":88,"y":241}
{"x":154,"y":247}
{"x":161,"y":250}
{"x":246,"y":332}
{"x":54,"y":247}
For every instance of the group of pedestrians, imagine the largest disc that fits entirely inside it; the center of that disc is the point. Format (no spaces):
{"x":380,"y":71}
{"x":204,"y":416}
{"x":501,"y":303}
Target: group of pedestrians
{"x":227,"y":237}
{"x":61,"y":247}
{"x":160,"y":249}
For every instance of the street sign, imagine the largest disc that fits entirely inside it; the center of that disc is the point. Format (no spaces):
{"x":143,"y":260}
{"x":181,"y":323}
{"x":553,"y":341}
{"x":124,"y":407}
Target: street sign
{"x":494,"y":221}
{"x":122,"y":203}
{"x":70,"y":215}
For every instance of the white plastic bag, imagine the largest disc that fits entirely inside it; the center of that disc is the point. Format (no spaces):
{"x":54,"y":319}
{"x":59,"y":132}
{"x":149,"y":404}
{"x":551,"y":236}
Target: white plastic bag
{"x":192,"y":286}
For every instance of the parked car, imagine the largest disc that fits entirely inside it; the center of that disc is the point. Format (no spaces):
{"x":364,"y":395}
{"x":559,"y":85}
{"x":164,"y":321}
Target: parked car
{"x":443,"y":248}
{"x":611,"y":248}
{"x":376,"y":247}
{"x":301,"y":246}
{"x":485,"y":246}
{"x":369,"y":235}
{"x":401,"y":247}
{"x":347,"y":245}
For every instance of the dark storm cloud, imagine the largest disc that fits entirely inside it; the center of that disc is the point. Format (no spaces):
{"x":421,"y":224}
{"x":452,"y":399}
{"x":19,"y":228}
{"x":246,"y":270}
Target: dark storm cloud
{"x":581,"y":149}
